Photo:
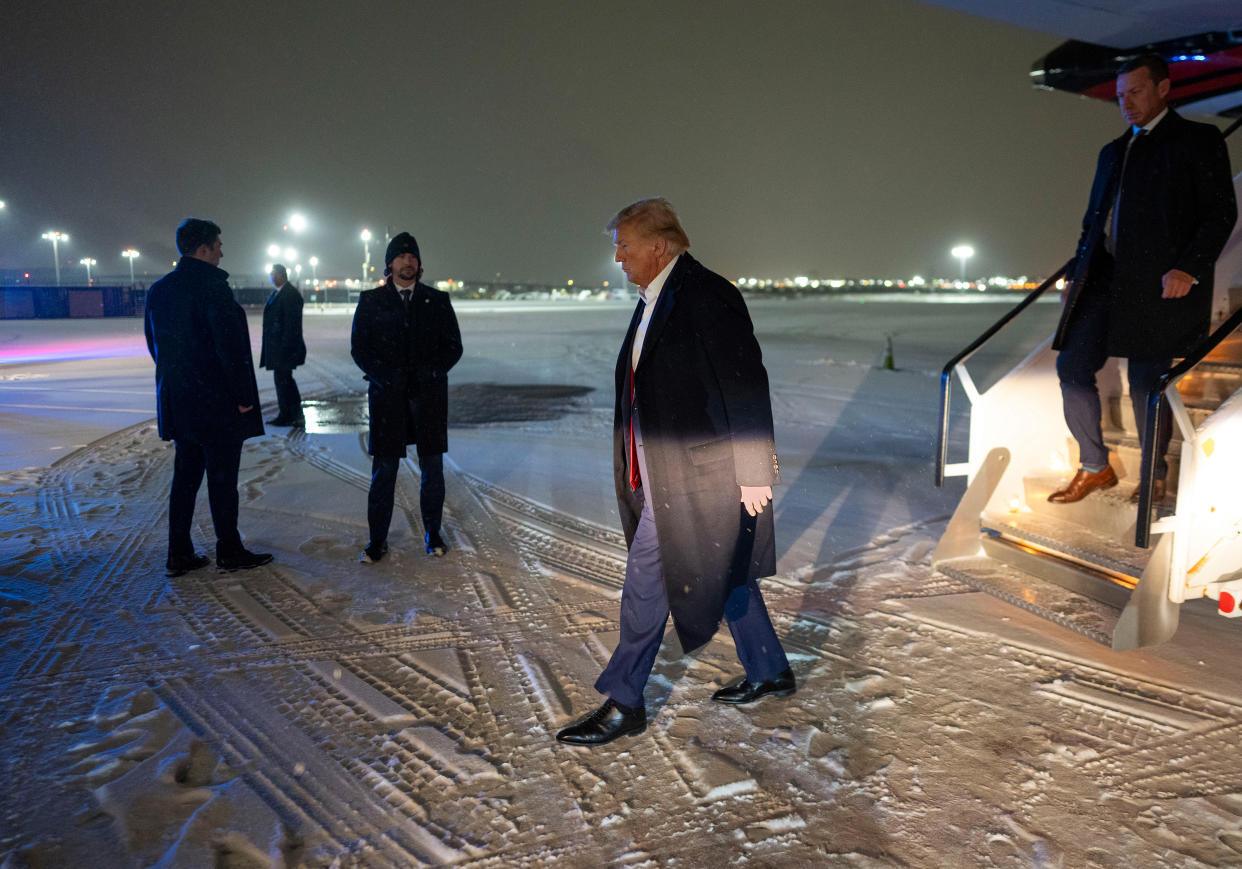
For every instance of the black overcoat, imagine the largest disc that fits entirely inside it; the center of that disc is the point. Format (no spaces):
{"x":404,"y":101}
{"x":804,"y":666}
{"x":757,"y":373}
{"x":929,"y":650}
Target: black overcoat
{"x":405,"y":360}
{"x":1176,"y":211}
{"x":701,"y":397}
{"x":197,"y":335}
{"x":283,"y":348}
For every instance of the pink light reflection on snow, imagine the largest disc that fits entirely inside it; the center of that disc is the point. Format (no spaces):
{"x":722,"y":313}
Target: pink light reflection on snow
{"x":110,"y":347}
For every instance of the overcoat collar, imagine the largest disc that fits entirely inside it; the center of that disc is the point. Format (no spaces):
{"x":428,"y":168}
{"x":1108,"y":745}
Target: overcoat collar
{"x":664,"y":305}
{"x":194,"y":265}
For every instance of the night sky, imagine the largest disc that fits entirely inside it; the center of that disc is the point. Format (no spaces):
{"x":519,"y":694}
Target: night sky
{"x":819,"y":138}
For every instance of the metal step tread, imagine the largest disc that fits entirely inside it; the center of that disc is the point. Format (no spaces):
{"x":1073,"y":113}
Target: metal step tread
{"x":1076,"y":612}
{"x":1077,"y":542}
{"x":1121,"y":439}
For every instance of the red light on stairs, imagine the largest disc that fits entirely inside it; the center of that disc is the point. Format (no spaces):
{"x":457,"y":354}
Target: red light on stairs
{"x":1228,"y":603}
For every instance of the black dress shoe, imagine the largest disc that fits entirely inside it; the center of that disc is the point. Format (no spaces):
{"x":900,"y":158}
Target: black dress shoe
{"x":242,"y":559}
{"x":435,"y":543}
{"x":373,"y":553}
{"x":742,"y":690}
{"x":179,"y":565}
{"x":605,"y":724}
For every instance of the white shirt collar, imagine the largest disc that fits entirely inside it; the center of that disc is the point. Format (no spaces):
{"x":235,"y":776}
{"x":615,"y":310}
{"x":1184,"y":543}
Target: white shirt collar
{"x":1151,"y":125}
{"x":651,"y":292}
{"x":401,"y":289}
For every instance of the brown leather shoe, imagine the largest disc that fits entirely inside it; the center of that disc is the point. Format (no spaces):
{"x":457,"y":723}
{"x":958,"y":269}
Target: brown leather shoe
{"x":1157,"y":492}
{"x":1083,"y":484}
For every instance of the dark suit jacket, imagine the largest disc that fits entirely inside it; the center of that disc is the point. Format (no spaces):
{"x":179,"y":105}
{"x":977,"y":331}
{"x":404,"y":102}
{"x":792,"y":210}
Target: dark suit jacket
{"x":1176,"y":211}
{"x":406,"y":363}
{"x":283,"y":348}
{"x":197,"y":335}
{"x":701,"y":398}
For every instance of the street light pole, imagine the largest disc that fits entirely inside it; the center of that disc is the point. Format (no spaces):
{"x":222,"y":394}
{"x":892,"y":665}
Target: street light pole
{"x":314,"y":264}
{"x":130,"y":254}
{"x":56,"y":237}
{"x":88,"y":262}
{"x":366,"y":254}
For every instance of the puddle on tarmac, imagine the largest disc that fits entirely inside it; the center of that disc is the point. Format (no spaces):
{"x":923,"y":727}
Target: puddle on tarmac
{"x":469,"y":404}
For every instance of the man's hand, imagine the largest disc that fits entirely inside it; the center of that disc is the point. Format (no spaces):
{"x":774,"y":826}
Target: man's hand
{"x":755,"y":498}
{"x":1176,"y":284}
{"x":245,"y":408}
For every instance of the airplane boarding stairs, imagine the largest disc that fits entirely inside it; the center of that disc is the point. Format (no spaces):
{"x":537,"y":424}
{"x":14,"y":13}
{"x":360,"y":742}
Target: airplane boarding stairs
{"x":1078,"y":564}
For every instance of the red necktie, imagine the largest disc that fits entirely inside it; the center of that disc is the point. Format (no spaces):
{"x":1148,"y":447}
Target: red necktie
{"x":635,"y":479}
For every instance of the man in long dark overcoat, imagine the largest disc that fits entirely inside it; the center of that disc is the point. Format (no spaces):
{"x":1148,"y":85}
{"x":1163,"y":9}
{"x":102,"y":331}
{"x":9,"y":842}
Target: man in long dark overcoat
{"x":207,"y":399}
{"x":283,"y":348}
{"x":405,"y":339}
{"x":1161,"y":209}
{"x":694,"y":464}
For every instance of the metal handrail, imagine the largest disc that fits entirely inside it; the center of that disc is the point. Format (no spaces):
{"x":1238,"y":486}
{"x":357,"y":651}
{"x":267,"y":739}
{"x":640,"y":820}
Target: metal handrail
{"x":942,"y":441}
{"x":1155,"y":403}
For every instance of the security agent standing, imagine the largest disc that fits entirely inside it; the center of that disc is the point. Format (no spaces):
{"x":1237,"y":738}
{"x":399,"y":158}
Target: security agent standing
{"x":405,"y":339}
{"x":283,"y":348}
{"x":206,"y":395}
{"x":1161,"y":209}
{"x":694,"y":463}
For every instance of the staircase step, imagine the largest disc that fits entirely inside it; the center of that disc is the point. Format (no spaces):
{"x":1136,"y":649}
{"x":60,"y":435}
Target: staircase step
{"x":1209,"y":384}
{"x":1076,"y":543}
{"x":1120,"y":416}
{"x":1109,"y":512}
{"x":1127,"y":459}
{"x":1079,"y":613}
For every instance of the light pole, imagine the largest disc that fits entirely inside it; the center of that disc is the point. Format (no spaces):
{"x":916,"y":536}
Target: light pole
{"x":130,"y":254}
{"x":88,"y":262}
{"x":963,"y":252}
{"x":56,"y":237}
{"x":314,"y":264}
{"x":366,"y":253}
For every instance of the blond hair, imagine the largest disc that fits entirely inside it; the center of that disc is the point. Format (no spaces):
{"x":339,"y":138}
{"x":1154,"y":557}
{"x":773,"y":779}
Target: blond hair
{"x":650,"y":217}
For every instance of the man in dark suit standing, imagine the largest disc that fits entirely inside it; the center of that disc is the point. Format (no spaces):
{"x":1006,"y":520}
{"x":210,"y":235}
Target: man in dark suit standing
{"x":405,"y":339}
{"x":694,"y":462}
{"x":206,"y":394}
{"x":1161,"y":209}
{"x":283,"y":348}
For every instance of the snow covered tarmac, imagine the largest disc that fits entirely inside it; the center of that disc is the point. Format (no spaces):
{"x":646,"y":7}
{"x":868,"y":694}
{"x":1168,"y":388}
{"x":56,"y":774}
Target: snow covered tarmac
{"x":317,"y":710}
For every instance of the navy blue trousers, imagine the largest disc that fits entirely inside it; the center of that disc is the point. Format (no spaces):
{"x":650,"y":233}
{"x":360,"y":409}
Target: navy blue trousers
{"x":1084,"y":354}
{"x":288,"y":398}
{"x":220,"y":462}
{"x":644,"y":614}
{"x":384,"y":487}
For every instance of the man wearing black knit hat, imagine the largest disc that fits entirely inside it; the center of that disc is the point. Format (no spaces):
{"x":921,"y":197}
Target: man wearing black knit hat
{"x":405,"y":339}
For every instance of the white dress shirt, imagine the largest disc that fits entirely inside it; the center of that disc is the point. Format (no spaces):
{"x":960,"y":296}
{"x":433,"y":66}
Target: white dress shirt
{"x":649,"y":293}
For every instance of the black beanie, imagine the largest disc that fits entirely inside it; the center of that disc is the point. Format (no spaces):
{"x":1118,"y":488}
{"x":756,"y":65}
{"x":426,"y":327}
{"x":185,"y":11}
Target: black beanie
{"x":401,"y":243}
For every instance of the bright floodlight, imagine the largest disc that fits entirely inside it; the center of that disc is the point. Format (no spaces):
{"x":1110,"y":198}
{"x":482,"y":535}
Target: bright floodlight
{"x":366,"y":235}
{"x":1,"y":205}
{"x":297,"y":222}
{"x":291,"y":255}
{"x":273,"y":250}
{"x":88,"y":262}
{"x":314,"y":261}
{"x":963,"y":252}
